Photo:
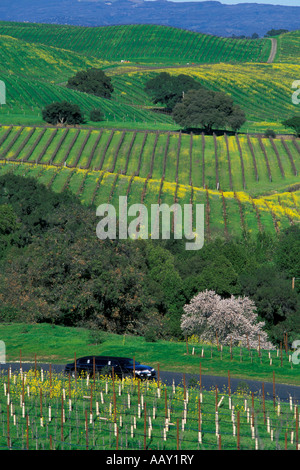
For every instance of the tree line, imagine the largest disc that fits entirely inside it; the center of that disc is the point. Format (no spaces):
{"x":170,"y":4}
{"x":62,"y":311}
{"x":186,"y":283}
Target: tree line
{"x":191,"y":105}
{"x":54,"y":269}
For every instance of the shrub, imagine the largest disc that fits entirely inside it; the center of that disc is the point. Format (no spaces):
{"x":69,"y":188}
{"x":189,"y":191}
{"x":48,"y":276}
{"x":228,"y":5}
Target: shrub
{"x":150,"y":335}
{"x":270,"y":133}
{"x":96,"y":115}
{"x":62,"y":113}
{"x":93,"y":81}
{"x":96,"y":337}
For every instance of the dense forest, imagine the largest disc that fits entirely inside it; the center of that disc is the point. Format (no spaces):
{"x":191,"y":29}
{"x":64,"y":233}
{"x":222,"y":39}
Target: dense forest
{"x":55,"y":269}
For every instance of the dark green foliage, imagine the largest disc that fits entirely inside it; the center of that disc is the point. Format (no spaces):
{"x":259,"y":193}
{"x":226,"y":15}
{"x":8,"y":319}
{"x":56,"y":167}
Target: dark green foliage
{"x":287,"y":254}
{"x":277,"y":303}
{"x":270,"y":133}
{"x":30,"y":206}
{"x":62,"y":113}
{"x":275,"y":32}
{"x":93,"y":81}
{"x":150,"y":334}
{"x":208,"y":110}
{"x":96,"y":115}
{"x":293,"y":123}
{"x":169,"y":89}
{"x":8,"y":226}
{"x":53,"y":268}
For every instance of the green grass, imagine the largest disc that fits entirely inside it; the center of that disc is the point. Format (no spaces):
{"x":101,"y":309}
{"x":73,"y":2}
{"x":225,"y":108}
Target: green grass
{"x":57,"y":344}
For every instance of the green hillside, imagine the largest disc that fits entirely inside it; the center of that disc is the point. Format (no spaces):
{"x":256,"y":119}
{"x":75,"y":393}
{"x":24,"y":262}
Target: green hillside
{"x":143,"y":153}
{"x":144,"y":43}
{"x":262,"y":90}
{"x":231,"y":176}
{"x":228,"y":163}
{"x":289,"y":48}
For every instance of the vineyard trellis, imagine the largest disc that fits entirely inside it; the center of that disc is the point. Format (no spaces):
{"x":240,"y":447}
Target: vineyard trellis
{"x":42,"y":409}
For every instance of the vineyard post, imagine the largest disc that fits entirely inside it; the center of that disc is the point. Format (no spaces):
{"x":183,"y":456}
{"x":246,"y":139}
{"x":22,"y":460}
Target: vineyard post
{"x":8,"y":383}
{"x":50,"y":379}
{"x":274,"y":389}
{"x":69,"y":388}
{"x":177,"y":433}
{"x":184,"y":387}
{"x":297,"y":427}
{"x":41,"y":405}
{"x":8,"y":437}
{"x":166,"y":404}
{"x":115,"y":404}
{"x":200,"y":382}
{"x":145,"y":424}
{"x":238,"y":430}
{"x":94,"y":370}
{"x":199,"y":421}
{"x":86,"y":432}
{"x":23,"y":390}
{"x":264,"y":404}
{"x":229,"y":390}
{"x":27,"y":432}
{"x":252,"y":411}
{"x":62,"y":419}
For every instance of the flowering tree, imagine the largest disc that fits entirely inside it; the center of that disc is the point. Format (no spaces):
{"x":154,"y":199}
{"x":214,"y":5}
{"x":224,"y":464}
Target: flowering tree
{"x":233,"y":320}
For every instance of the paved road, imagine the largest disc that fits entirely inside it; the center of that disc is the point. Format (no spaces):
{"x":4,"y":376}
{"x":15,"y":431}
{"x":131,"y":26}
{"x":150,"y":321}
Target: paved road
{"x":209,"y":382}
{"x":273,"y":51}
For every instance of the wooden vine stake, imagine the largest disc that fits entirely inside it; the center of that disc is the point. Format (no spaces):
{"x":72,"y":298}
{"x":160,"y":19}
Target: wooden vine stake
{"x":229,"y":390}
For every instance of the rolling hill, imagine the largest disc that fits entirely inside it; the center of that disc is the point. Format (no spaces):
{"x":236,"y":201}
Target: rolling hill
{"x":210,"y":17}
{"x":247,"y":182}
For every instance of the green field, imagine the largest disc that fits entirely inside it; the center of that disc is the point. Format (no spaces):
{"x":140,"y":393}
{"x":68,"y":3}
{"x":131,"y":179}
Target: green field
{"x":58,"y":345}
{"x":37,"y":60}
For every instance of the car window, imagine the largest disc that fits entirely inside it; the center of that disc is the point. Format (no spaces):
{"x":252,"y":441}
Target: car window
{"x":82,"y":360}
{"x":129,"y":362}
{"x":102,"y":362}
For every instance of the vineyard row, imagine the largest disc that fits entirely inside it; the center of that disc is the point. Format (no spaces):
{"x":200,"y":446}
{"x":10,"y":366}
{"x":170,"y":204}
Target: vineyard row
{"x":235,"y":163}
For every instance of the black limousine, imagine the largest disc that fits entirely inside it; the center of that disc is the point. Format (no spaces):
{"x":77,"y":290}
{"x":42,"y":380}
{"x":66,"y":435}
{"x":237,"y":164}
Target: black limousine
{"x":105,"y":365}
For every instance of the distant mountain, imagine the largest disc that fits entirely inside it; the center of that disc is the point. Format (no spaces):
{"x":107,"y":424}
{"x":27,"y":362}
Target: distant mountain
{"x":206,"y":17}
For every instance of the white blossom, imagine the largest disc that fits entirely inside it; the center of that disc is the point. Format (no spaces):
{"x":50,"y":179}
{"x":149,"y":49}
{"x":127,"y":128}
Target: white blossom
{"x":233,"y":320}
